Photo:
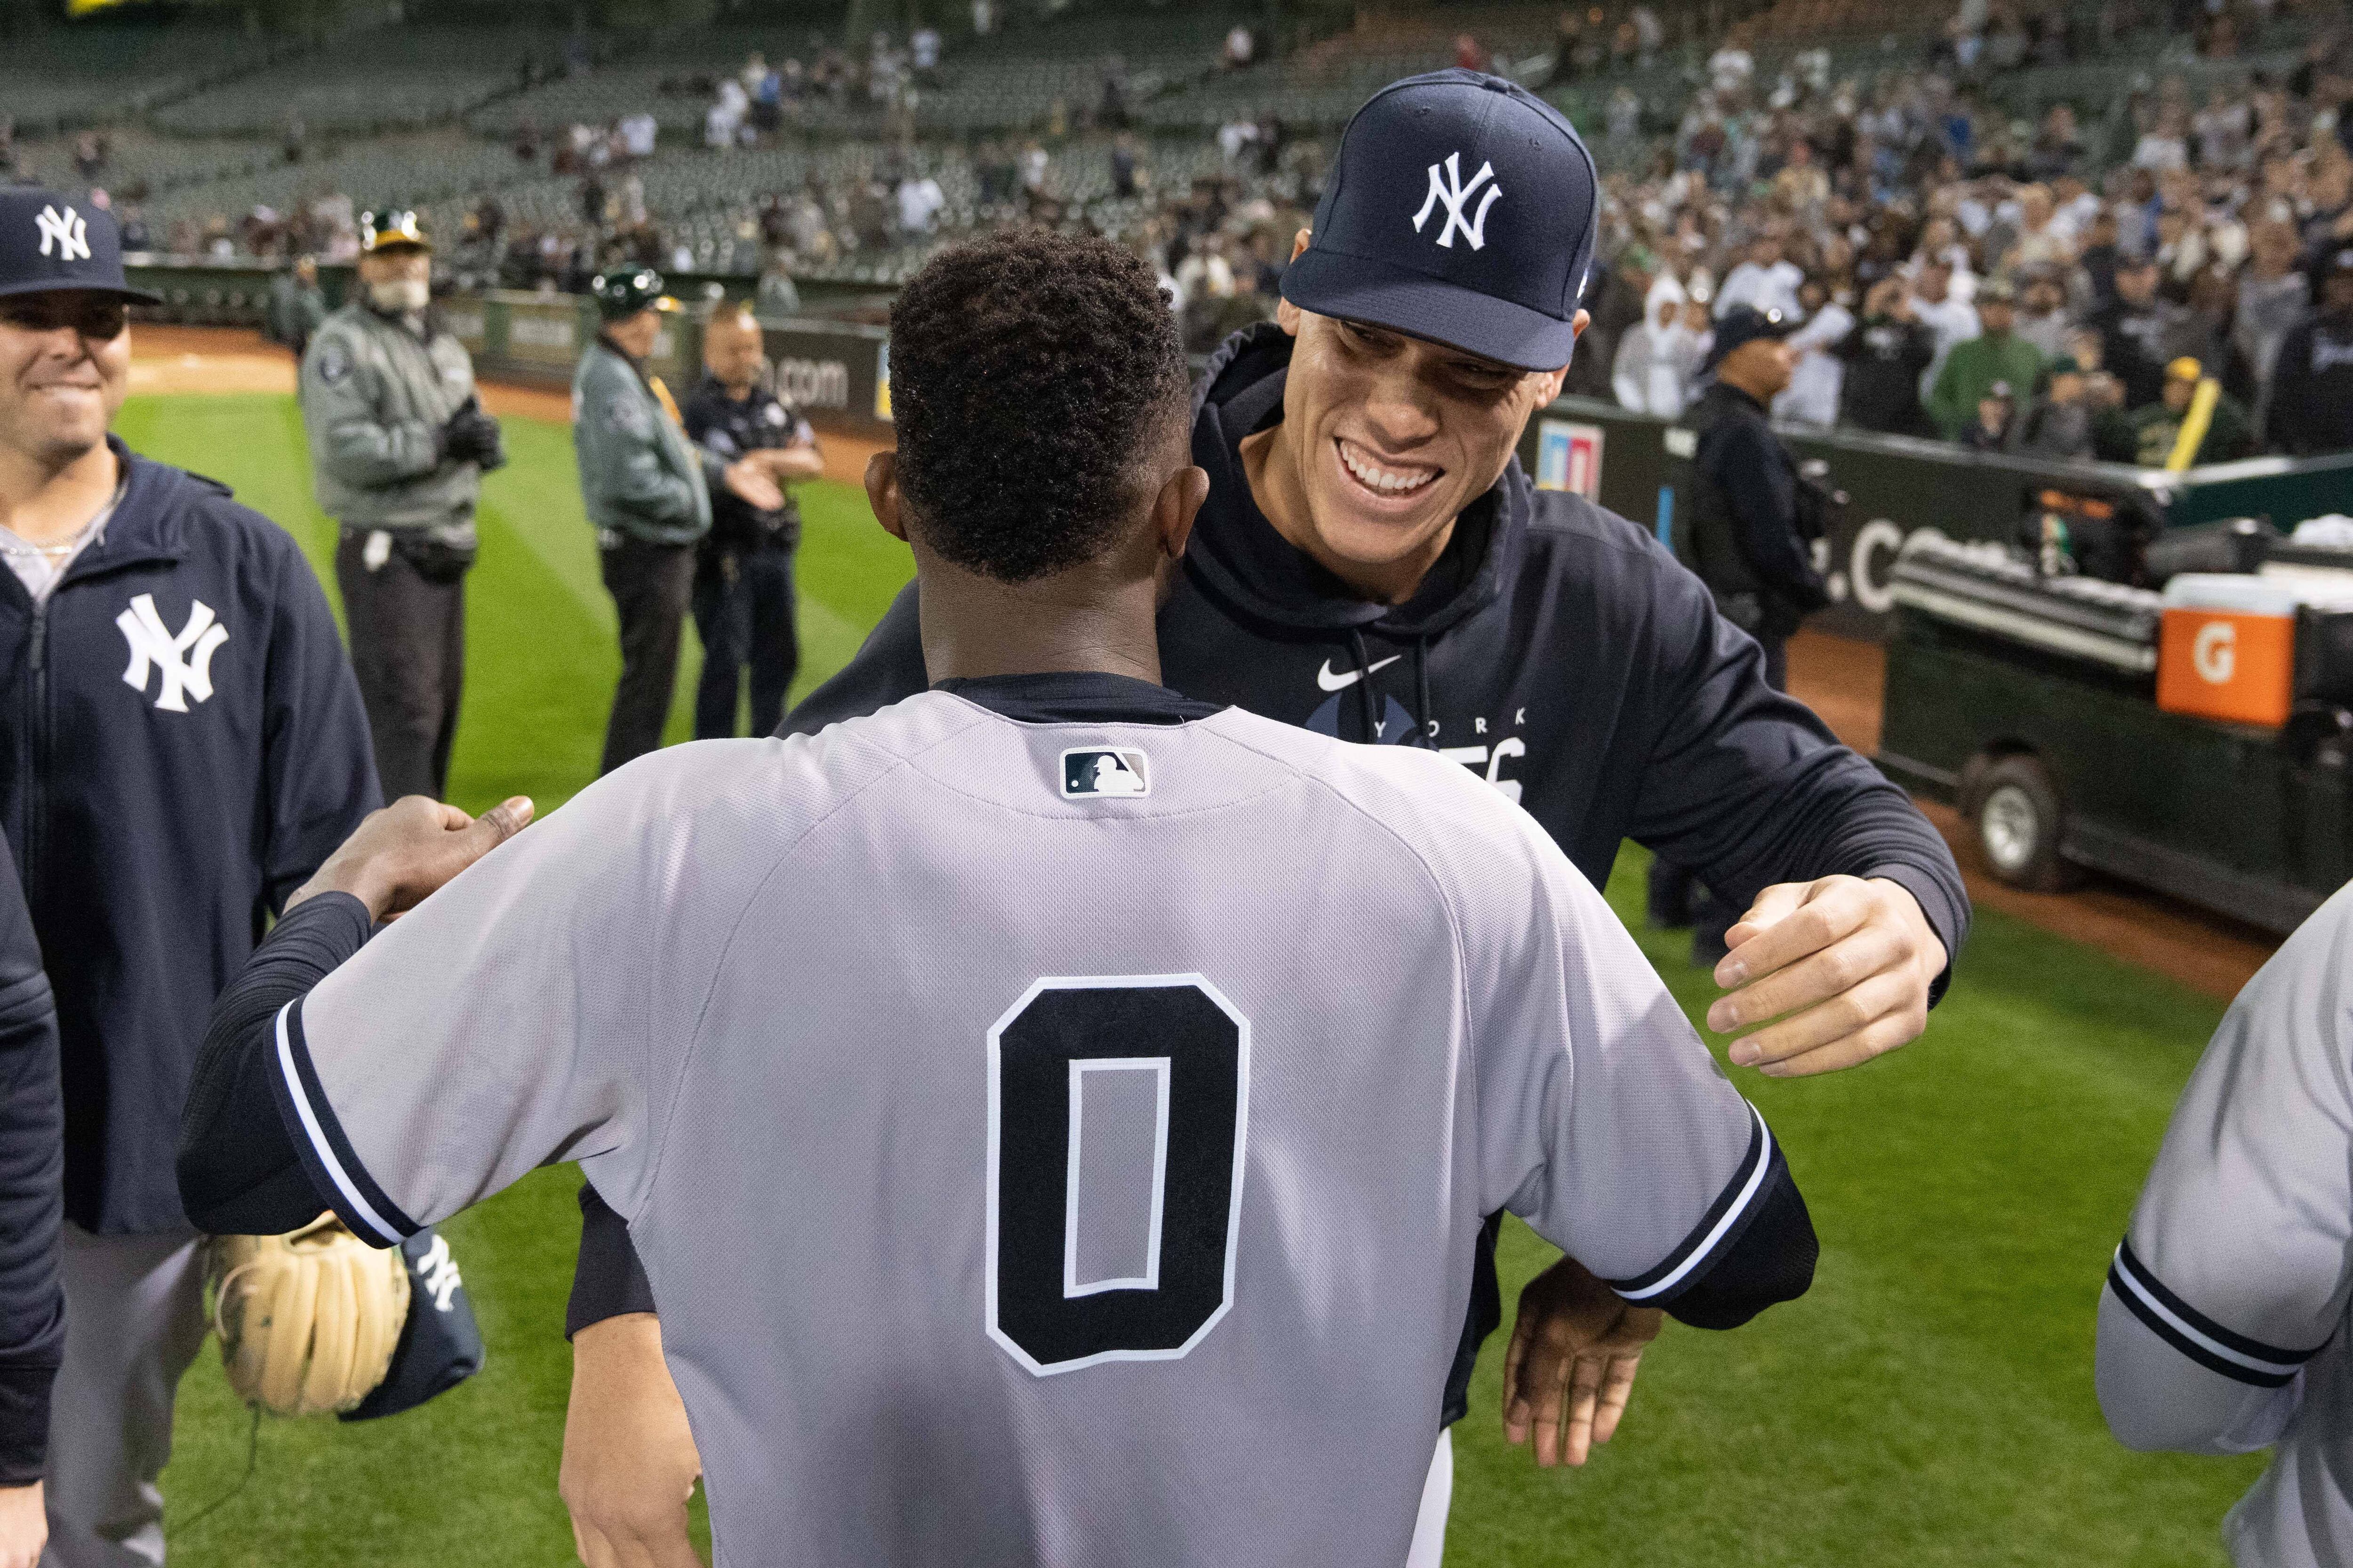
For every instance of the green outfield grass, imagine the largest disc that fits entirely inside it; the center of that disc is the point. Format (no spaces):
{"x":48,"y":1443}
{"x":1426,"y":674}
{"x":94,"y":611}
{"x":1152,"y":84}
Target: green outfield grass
{"x":1929,"y":1403}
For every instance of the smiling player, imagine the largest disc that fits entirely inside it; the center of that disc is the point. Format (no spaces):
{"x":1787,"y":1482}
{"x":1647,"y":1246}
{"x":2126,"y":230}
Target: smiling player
{"x":1374,"y":563}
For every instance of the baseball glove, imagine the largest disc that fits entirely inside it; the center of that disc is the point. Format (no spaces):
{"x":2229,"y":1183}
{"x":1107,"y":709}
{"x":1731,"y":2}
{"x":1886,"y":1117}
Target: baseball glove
{"x":308,"y":1320}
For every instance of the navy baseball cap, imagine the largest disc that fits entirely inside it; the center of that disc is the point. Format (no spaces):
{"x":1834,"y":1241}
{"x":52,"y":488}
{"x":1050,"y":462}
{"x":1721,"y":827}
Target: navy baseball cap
{"x":1745,"y":324}
{"x":52,"y":242}
{"x":1462,"y":208}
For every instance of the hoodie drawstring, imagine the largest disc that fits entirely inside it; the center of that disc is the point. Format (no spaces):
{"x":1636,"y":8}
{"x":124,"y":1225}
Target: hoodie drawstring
{"x":1368,"y":705}
{"x":1365,"y":707}
{"x":1421,"y":692}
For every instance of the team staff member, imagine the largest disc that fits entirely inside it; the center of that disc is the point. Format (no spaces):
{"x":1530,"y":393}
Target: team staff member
{"x":1372,"y":563}
{"x":743,"y":569}
{"x":2223,"y":1325}
{"x":188,"y":745}
{"x":32,"y":1165}
{"x":733,"y":981}
{"x":648,"y":490}
{"x":1742,"y":535}
{"x":400,"y":444}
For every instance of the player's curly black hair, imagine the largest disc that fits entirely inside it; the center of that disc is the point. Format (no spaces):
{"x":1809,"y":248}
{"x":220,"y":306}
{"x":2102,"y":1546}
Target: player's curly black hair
{"x":1030,"y":373}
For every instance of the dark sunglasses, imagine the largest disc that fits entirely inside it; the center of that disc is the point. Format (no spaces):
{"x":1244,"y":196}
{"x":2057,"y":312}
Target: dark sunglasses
{"x":100,"y":316}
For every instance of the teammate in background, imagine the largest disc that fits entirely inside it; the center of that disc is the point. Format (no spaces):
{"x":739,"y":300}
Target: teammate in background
{"x":399,"y":445}
{"x":2223,"y":1327}
{"x":188,"y":745}
{"x":743,"y":569}
{"x":648,"y":491}
{"x":1374,"y":563}
{"x":32,"y":1167}
{"x":694,"y":979}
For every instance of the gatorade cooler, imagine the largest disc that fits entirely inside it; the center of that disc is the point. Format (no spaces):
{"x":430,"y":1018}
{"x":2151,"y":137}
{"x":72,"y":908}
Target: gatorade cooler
{"x":2227,"y":649}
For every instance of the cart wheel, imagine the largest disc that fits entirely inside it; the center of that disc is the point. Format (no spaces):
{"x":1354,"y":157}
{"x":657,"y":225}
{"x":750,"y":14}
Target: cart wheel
{"x":2018,"y":815}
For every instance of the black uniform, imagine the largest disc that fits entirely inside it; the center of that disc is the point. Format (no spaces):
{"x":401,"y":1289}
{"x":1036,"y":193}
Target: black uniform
{"x":2311,"y":408}
{"x":744,"y":596}
{"x":1741,"y":533}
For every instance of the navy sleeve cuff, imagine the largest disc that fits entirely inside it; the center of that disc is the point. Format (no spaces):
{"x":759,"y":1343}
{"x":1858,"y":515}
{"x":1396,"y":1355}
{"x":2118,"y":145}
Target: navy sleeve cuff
{"x":23,"y":1423}
{"x":609,"y":1281}
{"x":1948,"y":914}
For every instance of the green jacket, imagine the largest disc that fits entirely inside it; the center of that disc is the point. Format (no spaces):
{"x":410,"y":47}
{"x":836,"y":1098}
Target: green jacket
{"x":375,"y":397}
{"x":1971,"y":369}
{"x":639,"y":475}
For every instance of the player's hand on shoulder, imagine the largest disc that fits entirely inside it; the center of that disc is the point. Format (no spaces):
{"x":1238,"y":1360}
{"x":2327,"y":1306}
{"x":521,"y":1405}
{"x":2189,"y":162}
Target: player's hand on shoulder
{"x":24,"y":1526}
{"x":1845,"y":967}
{"x":403,"y":852}
{"x":1575,"y":1346}
{"x":629,"y":1459}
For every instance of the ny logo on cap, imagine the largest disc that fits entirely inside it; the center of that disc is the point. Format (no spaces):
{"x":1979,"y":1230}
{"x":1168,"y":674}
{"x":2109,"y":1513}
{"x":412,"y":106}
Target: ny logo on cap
{"x":1454,"y":194}
{"x":68,"y":232}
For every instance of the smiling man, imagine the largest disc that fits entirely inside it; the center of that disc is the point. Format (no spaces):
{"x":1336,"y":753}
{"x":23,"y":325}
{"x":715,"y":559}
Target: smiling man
{"x":1373,"y":564}
{"x":186,"y":743}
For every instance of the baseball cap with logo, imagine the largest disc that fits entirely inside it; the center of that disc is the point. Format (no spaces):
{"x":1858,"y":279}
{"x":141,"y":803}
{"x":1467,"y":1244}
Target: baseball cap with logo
{"x":1460,"y":208}
{"x":49,"y":242}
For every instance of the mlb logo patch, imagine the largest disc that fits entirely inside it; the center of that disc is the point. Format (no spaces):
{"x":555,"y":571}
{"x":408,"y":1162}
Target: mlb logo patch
{"x":1090,"y":771}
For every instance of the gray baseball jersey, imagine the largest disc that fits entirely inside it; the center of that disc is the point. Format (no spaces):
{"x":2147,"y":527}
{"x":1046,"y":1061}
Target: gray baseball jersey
{"x":2221,"y":1328}
{"x":1049,"y":1142}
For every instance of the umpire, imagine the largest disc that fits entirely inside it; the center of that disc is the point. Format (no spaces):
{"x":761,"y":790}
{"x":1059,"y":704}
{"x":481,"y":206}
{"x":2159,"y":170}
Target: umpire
{"x":1746,"y":536}
{"x":648,"y":491}
{"x":399,"y":443}
{"x":743,"y":572}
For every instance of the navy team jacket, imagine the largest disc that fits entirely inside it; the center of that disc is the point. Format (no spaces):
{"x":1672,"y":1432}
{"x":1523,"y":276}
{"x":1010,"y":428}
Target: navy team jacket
{"x":181,"y":745}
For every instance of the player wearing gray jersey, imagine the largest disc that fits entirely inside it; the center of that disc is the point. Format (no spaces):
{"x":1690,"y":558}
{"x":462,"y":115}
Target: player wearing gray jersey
{"x":2221,"y":1328}
{"x":1056,"y":1116}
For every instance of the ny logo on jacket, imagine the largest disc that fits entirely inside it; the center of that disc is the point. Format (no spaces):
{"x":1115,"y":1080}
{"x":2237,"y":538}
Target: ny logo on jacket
{"x":185,"y":660}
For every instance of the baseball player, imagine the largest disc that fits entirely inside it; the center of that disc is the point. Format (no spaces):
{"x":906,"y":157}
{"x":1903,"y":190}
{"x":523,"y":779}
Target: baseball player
{"x":188,"y":745}
{"x":1374,"y":563}
{"x":2222,"y":1324}
{"x":987,"y":1235}
{"x":32,"y":1163}
{"x":399,"y":445}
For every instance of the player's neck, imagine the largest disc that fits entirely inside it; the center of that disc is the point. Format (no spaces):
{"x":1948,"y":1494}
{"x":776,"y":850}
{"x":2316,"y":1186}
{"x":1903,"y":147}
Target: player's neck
{"x":45,"y":501}
{"x":1072,"y":622}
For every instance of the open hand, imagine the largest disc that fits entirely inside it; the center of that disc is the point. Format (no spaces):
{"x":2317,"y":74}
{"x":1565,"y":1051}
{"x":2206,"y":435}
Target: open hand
{"x":1843,"y":964}
{"x":403,"y":852}
{"x":1575,"y":1346}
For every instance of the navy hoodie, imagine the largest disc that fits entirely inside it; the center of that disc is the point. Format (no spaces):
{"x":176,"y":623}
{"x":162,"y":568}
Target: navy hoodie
{"x":181,"y":745}
{"x":1555,"y":650}
{"x":32,"y":1304}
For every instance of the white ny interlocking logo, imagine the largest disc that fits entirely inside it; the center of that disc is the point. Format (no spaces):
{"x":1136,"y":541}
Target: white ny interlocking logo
{"x":437,"y":1273}
{"x":185,"y":660}
{"x":1453,"y":194}
{"x":68,"y":232}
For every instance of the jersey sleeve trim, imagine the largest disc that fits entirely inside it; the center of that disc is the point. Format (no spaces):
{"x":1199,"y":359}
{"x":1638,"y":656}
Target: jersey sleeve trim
{"x":1717,"y":1229}
{"x":2196,"y":1336}
{"x":326,"y":1154}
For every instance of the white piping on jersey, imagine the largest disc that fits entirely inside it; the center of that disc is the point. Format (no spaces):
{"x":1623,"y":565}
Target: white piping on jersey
{"x":1739,"y":1207}
{"x":360,"y":1209}
{"x":2147,"y":1300}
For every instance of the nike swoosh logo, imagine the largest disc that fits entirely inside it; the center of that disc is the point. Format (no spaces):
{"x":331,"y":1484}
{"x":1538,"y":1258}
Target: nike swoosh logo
{"x":1331,"y":682}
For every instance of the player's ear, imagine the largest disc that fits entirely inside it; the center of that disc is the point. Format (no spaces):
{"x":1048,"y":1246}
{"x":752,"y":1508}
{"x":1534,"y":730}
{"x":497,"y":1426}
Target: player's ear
{"x":1286,"y":314}
{"x":1174,"y":510}
{"x":882,"y":492}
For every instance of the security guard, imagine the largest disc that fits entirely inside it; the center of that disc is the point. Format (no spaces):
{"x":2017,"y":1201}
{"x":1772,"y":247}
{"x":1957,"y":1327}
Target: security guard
{"x":743,"y":572}
{"x":399,"y":443}
{"x":1744,"y":530}
{"x":648,"y":492}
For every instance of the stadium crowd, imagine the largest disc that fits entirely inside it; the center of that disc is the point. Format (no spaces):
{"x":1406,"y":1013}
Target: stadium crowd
{"x":2117,"y":275}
